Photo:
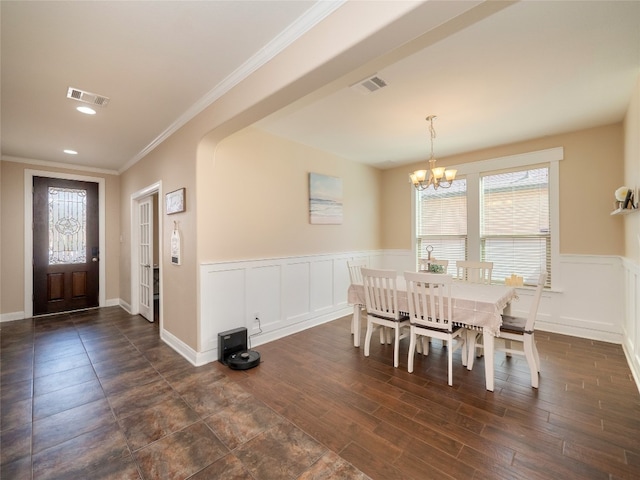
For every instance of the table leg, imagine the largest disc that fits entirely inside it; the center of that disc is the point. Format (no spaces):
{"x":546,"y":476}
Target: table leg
{"x":471,"y":347}
{"x":488,"y":343}
{"x":356,"y":325}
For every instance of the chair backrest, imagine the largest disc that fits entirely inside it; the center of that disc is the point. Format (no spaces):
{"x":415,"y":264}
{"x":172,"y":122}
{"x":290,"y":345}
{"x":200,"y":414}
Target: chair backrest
{"x":423,"y":264}
{"x":429,"y":298}
{"x":533,"y":311}
{"x":355,"y":270}
{"x":474,"y":272}
{"x":381,"y":293}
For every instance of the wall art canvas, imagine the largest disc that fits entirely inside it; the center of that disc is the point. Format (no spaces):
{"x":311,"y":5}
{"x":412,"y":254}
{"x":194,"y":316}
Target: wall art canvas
{"x":325,"y":199}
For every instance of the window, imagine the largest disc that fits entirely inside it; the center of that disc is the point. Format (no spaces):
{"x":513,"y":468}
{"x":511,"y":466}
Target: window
{"x":514,"y":223}
{"x":442,"y":223}
{"x":504,"y":210}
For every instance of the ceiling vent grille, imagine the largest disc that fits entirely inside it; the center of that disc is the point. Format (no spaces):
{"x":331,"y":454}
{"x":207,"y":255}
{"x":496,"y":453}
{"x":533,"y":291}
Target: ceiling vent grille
{"x":87,"y":97}
{"x":369,"y":85}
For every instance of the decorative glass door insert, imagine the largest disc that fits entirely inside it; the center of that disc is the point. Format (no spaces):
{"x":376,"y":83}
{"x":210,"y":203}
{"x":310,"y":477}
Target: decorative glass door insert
{"x":67,"y":225}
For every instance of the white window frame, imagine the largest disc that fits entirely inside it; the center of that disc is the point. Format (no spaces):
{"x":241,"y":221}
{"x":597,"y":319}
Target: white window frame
{"x":473,"y":171}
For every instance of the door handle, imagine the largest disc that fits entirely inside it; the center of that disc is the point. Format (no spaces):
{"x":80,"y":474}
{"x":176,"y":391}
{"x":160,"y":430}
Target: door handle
{"x":94,"y":259}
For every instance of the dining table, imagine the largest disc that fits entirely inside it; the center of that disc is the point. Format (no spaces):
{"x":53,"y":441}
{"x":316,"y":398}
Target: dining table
{"x":477,"y":307}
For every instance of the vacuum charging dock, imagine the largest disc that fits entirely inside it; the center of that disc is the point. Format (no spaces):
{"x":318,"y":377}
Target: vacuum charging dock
{"x":233,"y":352}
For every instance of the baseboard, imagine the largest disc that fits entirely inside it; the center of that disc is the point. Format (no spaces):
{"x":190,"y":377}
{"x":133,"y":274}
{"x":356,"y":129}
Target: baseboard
{"x":13,"y":316}
{"x":113,"y":302}
{"x":257,"y":340}
{"x":579,"y":331}
{"x":633,"y":365}
{"x":125,"y":306}
{"x":10,"y":317}
{"x":179,"y":346}
{"x":202,"y":358}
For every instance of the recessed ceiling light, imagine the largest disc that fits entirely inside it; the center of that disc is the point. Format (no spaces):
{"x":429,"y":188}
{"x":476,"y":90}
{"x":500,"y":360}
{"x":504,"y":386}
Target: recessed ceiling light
{"x":87,"y":110}
{"x":70,"y":152}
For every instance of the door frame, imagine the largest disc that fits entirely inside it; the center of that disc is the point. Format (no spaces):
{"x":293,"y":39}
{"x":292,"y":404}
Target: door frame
{"x":28,"y":232}
{"x":136,"y":197}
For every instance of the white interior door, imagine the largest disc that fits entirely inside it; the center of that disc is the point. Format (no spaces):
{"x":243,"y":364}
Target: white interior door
{"x":145,"y":265}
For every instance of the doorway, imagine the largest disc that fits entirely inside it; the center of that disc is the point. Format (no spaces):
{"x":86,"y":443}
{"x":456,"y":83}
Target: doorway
{"x":28,"y":289}
{"x":146,"y":248}
{"x":65,"y":245}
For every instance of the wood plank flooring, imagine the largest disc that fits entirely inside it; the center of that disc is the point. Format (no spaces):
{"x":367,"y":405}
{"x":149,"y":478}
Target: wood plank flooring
{"x":98,"y":395}
{"x":582,"y":423}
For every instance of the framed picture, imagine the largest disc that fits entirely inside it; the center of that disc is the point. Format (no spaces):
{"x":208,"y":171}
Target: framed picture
{"x":325,"y":199}
{"x":175,"y":201}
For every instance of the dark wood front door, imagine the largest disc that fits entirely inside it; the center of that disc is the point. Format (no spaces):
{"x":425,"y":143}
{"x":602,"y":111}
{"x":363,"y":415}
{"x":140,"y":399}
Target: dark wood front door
{"x":65,"y":245}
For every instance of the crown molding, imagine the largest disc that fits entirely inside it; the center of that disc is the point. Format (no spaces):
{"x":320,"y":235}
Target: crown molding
{"x":66,"y":166}
{"x":318,"y":12}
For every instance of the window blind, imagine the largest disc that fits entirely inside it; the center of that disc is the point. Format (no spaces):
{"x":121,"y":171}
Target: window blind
{"x":514,"y":224}
{"x":442,"y":222}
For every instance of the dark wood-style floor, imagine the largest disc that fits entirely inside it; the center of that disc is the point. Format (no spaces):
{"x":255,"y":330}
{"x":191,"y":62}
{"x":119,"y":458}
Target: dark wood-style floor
{"x":98,"y":395}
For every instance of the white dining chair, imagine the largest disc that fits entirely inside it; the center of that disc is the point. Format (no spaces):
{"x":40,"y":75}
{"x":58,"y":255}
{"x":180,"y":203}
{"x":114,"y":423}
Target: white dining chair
{"x":355,"y":277}
{"x":521,"y":331}
{"x":474,"y":272}
{"x":381,"y":301}
{"x":431,"y":315}
{"x":355,"y":270}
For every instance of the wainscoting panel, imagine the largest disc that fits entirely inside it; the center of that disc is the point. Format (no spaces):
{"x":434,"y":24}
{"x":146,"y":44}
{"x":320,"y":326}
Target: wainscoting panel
{"x":322,"y":299}
{"x":222,"y":301}
{"x":287,"y":294}
{"x":594,"y":297}
{"x":263,"y":285}
{"x":631,"y":327}
{"x":296,"y":293}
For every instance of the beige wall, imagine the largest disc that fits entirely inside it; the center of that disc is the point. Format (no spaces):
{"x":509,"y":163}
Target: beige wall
{"x":254,"y":199}
{"x":12,"y":237}
{"x":172,"y":163}
{"x":586,"y":194}
{"x":632,"y":173}
{"x":318,"y":57}
{"x":13,"y":232}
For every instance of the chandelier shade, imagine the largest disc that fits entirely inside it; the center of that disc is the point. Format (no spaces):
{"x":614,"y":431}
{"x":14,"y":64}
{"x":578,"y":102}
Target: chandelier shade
{"x":436,"y":176}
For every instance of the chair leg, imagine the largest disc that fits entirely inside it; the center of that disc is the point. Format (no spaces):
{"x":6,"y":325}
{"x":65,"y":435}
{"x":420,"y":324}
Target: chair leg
{"x":426,"y":343}
{"x":528,"y":352}
{"x":471,"y":348}
{"x":389,"y":332}
{"x":450,"y":361}
{"x":536,"y":356}
{"x":382,"y":334}
{"x":367,"y":338}
{"x":412,"y":350}
{"x":464,"y":347}
{"x":396,"y":346}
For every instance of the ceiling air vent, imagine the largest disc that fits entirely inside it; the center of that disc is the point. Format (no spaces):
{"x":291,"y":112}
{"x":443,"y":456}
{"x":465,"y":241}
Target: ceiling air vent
{"x":369,"y":85}
{"x":87,"y":97}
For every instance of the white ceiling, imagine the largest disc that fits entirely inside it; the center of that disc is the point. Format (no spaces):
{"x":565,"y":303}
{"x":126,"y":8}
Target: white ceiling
{"x":529,"y":70}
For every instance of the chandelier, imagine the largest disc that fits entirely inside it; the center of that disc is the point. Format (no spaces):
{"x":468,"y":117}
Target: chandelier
{"x":436,"y":176}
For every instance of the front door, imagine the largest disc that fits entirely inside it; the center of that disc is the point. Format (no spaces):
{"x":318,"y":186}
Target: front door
{"x":65,"y":245}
